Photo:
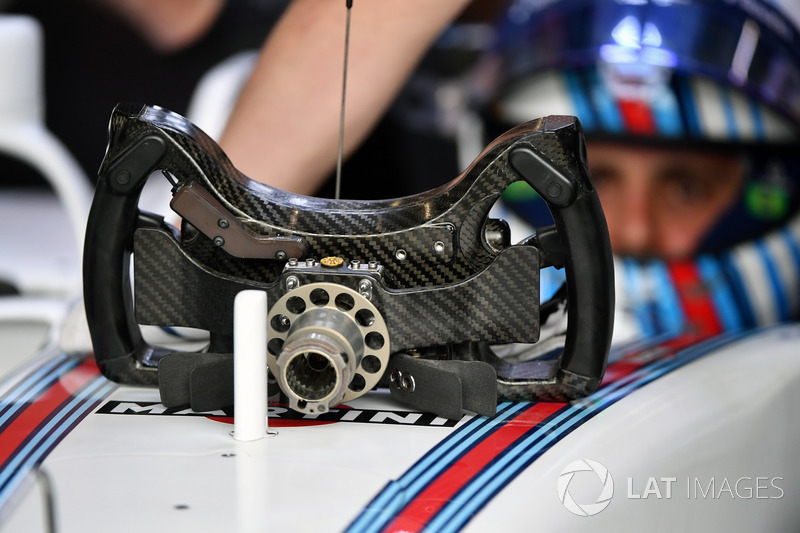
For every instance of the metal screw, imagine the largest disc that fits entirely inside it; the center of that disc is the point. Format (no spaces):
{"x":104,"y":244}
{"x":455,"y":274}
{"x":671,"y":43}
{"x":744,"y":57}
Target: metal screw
{"x":373,"y":265}
{"x":408,"y":383}
{"x":280,"y":254}
{"x":223,"y":223}
{"x":293,"y":261}
{"x":365,"y":288}
{"x":355,"y":263}
{"x":219,"y":241}
{"x":292,"y":282}
{"x":310,"y":262}
{"x":400,"y":254}
{"x":438,"y":246}
{"x":395,"y":378}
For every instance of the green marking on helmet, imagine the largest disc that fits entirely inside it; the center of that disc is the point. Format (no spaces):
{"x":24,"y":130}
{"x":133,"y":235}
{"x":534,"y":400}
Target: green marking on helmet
{"x":519,"y":191}
{"x":766,"y":202}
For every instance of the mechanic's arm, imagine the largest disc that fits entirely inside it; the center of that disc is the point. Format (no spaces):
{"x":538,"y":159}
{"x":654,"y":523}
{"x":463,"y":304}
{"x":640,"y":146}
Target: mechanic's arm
{"x":167,"y":26}
{"x":284,"y":128}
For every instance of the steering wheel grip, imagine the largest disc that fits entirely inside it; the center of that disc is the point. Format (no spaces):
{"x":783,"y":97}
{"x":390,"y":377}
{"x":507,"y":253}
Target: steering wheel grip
{"x":586,"y":252}
{"x":114,"y":215}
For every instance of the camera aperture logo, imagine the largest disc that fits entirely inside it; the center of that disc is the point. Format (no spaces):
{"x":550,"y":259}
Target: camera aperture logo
{"x":568,"y":478}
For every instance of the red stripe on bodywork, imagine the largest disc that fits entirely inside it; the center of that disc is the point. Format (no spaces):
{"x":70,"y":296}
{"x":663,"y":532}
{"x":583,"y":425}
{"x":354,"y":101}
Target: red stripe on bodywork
{"x":425,"y":506}
{"x":40,"y":409}
{"x":620,"y":369}
{"x":702,"y":323}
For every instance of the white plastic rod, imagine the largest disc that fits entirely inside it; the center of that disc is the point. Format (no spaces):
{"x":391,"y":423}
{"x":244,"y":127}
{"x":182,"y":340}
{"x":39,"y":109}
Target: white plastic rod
{"x":250,"y":365}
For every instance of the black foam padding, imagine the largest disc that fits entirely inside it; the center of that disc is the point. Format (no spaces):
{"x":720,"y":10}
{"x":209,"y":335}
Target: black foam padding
{"x":211,"y":385}
{"x":202,"y":380}
{"x":447,"y":388}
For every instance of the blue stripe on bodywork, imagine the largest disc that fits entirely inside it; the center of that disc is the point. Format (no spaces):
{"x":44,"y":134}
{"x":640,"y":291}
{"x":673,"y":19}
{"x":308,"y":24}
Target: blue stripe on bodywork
{"x":32,"y":386}
{"x":479,"y":491}
{"x":46,"y":438}
{"x":507,"y":465}
{"x":55,"y":427}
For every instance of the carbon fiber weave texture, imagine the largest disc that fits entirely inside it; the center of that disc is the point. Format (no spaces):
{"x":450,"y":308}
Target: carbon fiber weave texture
{"x":496,"y":305}
{"x":453,"y":215}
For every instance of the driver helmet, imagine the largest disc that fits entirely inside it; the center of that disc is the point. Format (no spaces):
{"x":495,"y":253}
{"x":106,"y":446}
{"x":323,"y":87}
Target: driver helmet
{"x":718,"y":77}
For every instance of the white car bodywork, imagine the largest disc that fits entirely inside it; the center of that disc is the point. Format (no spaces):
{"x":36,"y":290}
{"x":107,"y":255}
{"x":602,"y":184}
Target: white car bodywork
{"x":696,"y":439}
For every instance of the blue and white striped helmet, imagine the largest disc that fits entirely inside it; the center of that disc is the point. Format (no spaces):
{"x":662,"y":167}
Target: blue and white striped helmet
{"x":719,"y":73}
{"x":724,"y":73}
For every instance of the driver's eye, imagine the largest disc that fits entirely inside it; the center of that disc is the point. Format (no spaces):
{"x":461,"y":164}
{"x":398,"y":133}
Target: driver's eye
{"x":686,"y":187}
{"x":603,"y":176}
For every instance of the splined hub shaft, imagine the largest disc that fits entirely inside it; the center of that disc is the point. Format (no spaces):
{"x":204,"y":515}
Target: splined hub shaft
{"x":328,"y":344}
